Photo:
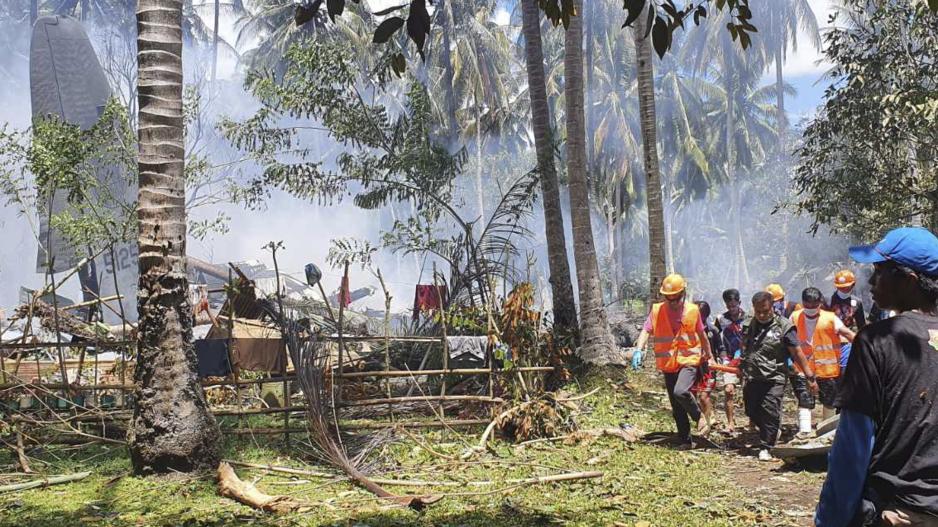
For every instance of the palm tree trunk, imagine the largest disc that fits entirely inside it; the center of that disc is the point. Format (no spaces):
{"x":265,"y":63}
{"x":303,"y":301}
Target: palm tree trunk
{"x":596,"y":344}
{"x":215,"y":42}
{"x":589,"y":86}
{"x":646,"y":102}
{"x":780,"y":99}
{"x":741,"y":271}
{"x":449,"y":98}
{"x":480,"y":200}
{"x":564,"y":306}
{"x":172,"y":429}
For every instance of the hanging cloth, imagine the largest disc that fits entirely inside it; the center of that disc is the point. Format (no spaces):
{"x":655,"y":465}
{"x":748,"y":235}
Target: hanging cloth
{"x":427,"y":297}
{"x":345,"y":295}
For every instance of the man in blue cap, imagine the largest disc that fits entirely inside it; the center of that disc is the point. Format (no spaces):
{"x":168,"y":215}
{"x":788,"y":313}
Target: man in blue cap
{"x":883,"y":466}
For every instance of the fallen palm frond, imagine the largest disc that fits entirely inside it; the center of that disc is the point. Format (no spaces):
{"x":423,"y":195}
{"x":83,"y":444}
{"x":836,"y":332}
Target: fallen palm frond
{"x":311,"y":360}
{"x":231,"y":486}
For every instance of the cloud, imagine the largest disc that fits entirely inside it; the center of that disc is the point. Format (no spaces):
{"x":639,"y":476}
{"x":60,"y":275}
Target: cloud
{"x":808,"y":60}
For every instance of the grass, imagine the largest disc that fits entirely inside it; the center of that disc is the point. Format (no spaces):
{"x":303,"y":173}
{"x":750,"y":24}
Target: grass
{"x":643,"y":485}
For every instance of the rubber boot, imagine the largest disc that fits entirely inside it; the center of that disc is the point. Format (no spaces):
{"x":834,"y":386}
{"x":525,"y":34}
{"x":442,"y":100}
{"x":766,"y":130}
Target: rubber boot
{"x":827,"y":412}
{"x":804,"y":420}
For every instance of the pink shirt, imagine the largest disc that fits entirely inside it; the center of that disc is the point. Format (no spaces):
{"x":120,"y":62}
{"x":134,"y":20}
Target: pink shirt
{"x":674,"y":317}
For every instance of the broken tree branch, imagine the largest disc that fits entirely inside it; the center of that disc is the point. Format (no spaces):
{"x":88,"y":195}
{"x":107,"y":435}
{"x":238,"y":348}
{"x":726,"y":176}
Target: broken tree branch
{"x":231,"y":486}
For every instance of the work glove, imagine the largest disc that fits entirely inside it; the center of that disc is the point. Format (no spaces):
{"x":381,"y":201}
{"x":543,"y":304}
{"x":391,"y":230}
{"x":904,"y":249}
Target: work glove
{"x":637,"y":356}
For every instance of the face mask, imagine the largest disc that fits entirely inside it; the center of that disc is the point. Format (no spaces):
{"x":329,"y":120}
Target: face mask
{"x":841,"y":294}
{"x":811,"y":312}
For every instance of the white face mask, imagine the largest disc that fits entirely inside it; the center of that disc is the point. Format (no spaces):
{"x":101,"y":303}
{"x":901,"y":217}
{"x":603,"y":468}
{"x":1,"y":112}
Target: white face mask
{"x":842,"y":294}
{"x":812,"y":312}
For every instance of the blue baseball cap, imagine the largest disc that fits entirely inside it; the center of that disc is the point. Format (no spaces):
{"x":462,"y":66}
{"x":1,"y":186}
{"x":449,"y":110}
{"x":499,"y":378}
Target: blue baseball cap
{"x":912,"y":247}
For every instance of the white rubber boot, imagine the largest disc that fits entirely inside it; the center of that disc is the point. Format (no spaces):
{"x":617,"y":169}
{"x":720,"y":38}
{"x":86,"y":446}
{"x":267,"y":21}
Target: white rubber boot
{"x":804,"y":420}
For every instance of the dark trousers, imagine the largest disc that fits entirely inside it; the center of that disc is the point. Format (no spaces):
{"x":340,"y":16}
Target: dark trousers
{"x":763,"y":401}
{"x":799,"y":386}
{"x":827,"y":391}
{"x":683,"y":403}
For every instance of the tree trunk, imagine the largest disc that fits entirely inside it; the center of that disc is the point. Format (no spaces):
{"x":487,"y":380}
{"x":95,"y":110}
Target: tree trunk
{"x":655,"y":203}
{"x":780,"y":100}
{"x":560,"y":283}
{"x":595,"y":339}
{"x":590,"y":147}
{"x":84,"y":10}
{"x":449,"y":98}
{"x":33,"y":12}
{"x":480,"y":198}
{"x":172,"y":429}
{"x":215,"y":42}
{"x":741,"y":271}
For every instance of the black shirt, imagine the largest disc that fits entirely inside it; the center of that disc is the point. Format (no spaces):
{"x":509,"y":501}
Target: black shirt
{"x":892,"y":376}
{"x":765,"y":349}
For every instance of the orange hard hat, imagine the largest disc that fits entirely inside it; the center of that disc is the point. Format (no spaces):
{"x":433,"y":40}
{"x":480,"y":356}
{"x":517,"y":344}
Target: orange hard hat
{"x":844,"y":278}
{"x":673,"y":284}
{"x":776,"y":291}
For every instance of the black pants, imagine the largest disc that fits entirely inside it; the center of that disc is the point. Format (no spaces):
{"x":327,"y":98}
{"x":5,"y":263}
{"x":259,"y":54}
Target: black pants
{"x":799,"y":385}
{"x":827,"y":391}
{"x":763,"y":401}
{"x":683,"y":403}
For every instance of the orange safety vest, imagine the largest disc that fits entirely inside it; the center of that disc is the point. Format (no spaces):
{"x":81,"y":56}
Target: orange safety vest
{"x":823,"y":351}
{"x":675,"y":348}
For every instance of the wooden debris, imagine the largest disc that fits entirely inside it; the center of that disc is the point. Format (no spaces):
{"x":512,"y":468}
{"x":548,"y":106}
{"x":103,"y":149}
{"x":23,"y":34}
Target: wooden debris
{"x":231,"y":486}
{"x":44,"y":482}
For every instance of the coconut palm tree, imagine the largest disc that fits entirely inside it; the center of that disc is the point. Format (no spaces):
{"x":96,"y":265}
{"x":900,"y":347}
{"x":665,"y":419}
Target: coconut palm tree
{"x":172,"y":429}
{"x":779,"y":24}
{"x":561,"y":285}
{"x":646,"y":100}
{"x":595,"y":339}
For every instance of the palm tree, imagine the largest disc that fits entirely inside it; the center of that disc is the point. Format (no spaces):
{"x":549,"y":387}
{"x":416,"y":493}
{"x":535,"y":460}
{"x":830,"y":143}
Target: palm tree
{"x":779,"y":23}
{"x":172,"y":429}
{"x":561,"y":286}
{"x":595,"y":339}
{"x":646,"y":101}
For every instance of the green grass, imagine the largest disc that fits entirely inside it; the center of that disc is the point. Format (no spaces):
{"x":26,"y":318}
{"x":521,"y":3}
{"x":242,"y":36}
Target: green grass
{"x":642,"y":483}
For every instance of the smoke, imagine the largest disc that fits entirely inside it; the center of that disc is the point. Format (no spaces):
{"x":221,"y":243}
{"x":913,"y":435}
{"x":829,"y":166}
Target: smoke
{"x":777,"y":247}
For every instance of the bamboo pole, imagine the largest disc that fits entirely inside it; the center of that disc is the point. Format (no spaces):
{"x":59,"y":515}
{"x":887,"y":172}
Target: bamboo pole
{"x":283,"y":327}
{"x":452,"y":371}
{"x":443,"y":314}
{"x":45,"y":482}
{"x":423,"y":398}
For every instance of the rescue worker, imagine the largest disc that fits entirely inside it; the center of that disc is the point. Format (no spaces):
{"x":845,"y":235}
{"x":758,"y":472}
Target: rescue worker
{"x":883,"y":466}
{"x":680,"y":345}
{"x":730,"y":324}
{"x":819,"y":333}
{"x":782,"y":307}
{"x":769,"y":340}
{"x":847,"y":306}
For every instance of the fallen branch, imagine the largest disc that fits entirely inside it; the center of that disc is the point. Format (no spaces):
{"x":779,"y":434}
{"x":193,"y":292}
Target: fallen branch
{"x":45,"y":482}
{"x":630,"y":435}
{"x":483,"y":441}
{"x":284,"y":470}
{"x":231,"y":486}
{"x":578,"y":397}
